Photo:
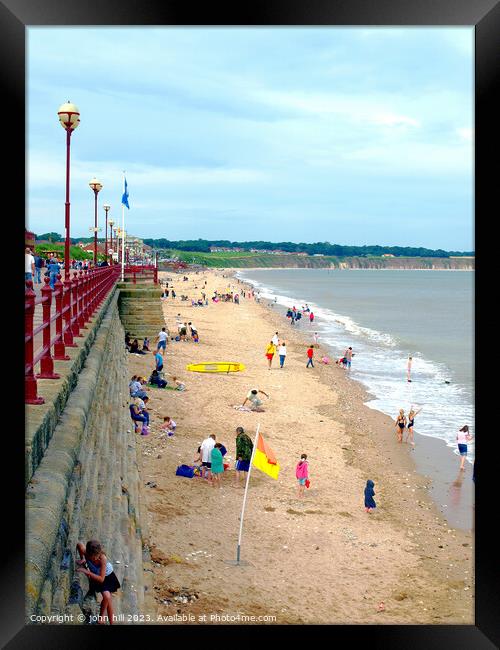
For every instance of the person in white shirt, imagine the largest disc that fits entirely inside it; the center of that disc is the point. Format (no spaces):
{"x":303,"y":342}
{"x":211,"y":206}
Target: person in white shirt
{"x":29,"y":265}
{"x":282,"y":353}
{"x":162,"y":340}
{"x":275,"y":339}
{"x":206,"y":449}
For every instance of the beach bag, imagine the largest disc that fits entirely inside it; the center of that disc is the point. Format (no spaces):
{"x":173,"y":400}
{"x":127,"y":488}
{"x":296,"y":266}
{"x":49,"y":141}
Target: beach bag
{"x":185,"y":470}
{"x":308,"y":483}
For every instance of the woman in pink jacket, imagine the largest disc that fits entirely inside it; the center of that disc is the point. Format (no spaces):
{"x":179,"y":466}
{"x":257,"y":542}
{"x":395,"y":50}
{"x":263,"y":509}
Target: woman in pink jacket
{"x":302,"y":473}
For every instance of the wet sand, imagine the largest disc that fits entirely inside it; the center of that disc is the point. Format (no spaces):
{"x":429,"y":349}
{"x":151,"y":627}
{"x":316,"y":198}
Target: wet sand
{"x":322,"y":559}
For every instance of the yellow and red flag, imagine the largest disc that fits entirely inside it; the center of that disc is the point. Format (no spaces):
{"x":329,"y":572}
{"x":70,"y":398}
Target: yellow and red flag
{"x":264,"y":458}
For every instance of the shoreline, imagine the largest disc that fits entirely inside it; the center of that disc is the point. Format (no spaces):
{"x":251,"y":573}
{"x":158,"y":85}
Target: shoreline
{"x":322,"y":549}
{"x":432,"y":457}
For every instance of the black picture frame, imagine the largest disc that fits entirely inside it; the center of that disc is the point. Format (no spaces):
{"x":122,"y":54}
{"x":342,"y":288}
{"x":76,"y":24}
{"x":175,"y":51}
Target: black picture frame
{"x":15,"y":17}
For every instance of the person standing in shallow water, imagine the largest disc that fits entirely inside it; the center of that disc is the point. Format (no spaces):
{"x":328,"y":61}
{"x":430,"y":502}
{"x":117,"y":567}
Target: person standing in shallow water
{"x":463,"y":437}
{"x":408,"y":369}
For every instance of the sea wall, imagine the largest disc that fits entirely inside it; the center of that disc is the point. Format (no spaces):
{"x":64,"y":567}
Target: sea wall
{"x":85,"y":483}
{"x":140,"y":310}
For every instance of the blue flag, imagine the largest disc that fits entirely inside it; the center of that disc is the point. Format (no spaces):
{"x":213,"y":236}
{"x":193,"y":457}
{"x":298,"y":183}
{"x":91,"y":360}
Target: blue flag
{"x":125,"y":194}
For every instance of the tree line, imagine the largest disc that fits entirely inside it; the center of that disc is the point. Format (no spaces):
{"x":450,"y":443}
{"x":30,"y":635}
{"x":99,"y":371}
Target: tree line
{"x":318,"y":248}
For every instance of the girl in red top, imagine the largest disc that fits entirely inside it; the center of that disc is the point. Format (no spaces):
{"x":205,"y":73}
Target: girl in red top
{"x":310,"y":353}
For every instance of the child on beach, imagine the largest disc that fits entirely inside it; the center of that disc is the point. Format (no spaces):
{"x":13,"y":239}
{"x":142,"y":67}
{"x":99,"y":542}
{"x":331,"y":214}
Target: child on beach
{"x":99,"y":570}
{"x":463,"y":437}
{"x":310,"y":354}
{"x":369,"y":494}
{"x":168,"y":426}
{"x":302,"y":474}
{"x":178,"y":384}
{"x":270,"y":352}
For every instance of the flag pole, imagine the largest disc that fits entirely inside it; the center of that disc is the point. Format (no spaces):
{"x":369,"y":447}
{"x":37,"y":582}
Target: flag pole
{"x":123,"y":232}
{"x":245,"y":496}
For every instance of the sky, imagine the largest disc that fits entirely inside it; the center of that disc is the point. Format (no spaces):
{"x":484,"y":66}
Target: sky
{"x":349,"y":135}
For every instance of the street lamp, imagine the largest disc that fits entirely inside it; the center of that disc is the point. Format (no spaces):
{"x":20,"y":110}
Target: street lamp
{"x":96,"y":186}
{"x":106,"y":210}
{"x":69,"y":117}
{"x":111,"y":223}
{"x":118,"y":233}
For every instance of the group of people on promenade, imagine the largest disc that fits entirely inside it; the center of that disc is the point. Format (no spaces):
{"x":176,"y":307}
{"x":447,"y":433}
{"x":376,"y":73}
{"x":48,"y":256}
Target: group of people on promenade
{"x":35,"y":265}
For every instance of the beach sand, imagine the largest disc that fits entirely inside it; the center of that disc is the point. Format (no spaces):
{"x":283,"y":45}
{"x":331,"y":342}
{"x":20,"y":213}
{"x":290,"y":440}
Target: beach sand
{"x":321,"y":559}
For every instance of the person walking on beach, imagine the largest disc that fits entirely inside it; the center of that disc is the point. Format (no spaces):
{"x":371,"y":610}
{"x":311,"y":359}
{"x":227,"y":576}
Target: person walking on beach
{"x":400,"y":424}
{"x":310,"y":354}
{"x":244,"y":448}
{"x":408,"y":369}
{"x":270,"y":352}
{"x":275,"y":339}
{"x":463,"y":437}
{"x":411,"y":422}
{"x":206,"y":449}
{"x":369,"y":494}
{"x":216,"y":465}
{"x":311,"y":317}
{"x":162,"y":340}
{"x":316,"y":338}
{"x":282,"y":353}
{"x":158,"y":361}
{"x":302,"y":474}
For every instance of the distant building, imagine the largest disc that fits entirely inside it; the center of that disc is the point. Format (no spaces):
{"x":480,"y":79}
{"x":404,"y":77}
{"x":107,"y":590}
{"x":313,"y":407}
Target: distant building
{"x":318,"y":255}
{"x":303,"y":254}
{"x":387,"y":255}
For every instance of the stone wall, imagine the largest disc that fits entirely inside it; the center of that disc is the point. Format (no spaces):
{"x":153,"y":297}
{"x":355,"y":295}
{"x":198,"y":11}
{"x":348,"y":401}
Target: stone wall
{"x":87,"y":485}
{"x":140,"y":310}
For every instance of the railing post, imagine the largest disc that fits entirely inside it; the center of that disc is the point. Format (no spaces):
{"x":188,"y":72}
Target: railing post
{"x":155,"y":274}
{"x":75,"y":326}
{"x":59,"y":348}
{"x":46,"y":362}
{"x":68,"y":334}
{"x":81,"y":288}
{"x":86,"y":297}
{"x":30,"y":387}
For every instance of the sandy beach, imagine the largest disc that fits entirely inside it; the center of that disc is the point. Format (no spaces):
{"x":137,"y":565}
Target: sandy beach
{"x":321,"y":559}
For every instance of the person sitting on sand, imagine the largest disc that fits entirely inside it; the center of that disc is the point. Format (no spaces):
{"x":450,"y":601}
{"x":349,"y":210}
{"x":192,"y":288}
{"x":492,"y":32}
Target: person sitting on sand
{"x":134,"y":348}
{"x":127,"y":340}
{"x":179,"y":385}
{"x":136,"y":388}
{"x":168,"y":426}
{"x":252,"y":397}
{"x":137,"y":417}
{"x":156,"y":380}
{"x":145,"y":344}
{"x":102,"y":579}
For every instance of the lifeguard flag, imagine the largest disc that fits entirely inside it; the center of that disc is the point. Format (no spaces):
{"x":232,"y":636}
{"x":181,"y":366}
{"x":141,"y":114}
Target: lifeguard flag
{"x":265,"y":460}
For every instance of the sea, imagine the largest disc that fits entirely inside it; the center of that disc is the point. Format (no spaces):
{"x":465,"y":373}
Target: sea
{"x":386,"y":316}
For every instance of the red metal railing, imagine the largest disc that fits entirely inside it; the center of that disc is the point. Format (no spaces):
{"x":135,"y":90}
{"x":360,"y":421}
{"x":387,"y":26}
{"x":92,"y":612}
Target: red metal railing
{"x":75,"y":302}
{"x":143,"y":273}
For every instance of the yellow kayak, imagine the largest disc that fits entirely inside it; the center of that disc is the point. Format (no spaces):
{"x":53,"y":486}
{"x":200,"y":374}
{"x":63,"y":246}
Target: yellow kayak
{"x":216,"y":366}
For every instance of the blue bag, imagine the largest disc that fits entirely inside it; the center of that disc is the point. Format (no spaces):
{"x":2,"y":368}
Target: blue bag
{"x":185,"y":470}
